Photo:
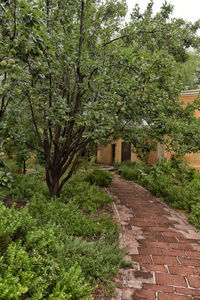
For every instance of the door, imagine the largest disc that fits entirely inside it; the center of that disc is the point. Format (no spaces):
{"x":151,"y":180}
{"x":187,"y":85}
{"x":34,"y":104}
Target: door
{"x":126,"y":151}
{"x":113,"y":153}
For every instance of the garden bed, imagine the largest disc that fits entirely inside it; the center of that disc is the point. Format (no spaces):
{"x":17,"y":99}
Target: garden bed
{"x":66,"y":247}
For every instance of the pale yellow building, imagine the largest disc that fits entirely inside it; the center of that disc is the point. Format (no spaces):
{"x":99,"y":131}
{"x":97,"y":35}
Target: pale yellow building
{"x":119,"y":151}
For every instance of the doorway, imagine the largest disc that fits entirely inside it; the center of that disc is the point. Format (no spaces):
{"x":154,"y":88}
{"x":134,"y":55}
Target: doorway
{"x":126,"y":151}
{"x":113,"y":153}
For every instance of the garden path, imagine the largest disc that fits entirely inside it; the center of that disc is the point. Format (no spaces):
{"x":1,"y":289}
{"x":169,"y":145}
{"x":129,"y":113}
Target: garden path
{"x":164,"y":247}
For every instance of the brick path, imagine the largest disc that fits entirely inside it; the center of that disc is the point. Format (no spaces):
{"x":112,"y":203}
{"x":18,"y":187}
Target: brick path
{"x":164,"y":248}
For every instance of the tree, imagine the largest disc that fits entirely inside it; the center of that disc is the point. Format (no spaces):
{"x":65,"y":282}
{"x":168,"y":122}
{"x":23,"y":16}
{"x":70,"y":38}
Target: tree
{"x":189,"y":72}
{"x":155,"y":114}
{"x":83,"y":74}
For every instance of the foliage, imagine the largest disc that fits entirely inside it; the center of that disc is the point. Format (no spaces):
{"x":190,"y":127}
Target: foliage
{"x":23,"y":274}
{"x":194,"y":217}
{"x":76,"y":223}
{"x":190,"y":71}
{"x":71,"y":72}
{"x":86,"y":196}
{"x":99,"y":177}
{"x":25,"y":186}
{"x":6,"y":177}
{"x":134,"y":171}
{"x":172,"y":180}
{"x":52,"y":249}
{"x":155,"y":111}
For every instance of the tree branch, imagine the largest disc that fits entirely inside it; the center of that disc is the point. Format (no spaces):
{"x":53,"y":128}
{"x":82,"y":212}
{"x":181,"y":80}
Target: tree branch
{"x":34,"y":120}
{"x":15,"y":21}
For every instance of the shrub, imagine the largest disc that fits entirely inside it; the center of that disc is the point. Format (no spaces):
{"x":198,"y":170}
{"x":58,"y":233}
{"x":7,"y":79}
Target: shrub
{"x":173,"y":180}
{"x":69,"y":219}
{"x":159,"y":185}
{"x":25,"y":186}
{"x":6,"y":177}
{"x":52,"y":249}
{"x":99,"y":177}
{"x":181,"y":196}
{"x":86,"y":196}
{"x":136,"y":171}
{"x":34,"y":276}
{"x":14,"y":225}
{"x":194,"y":217}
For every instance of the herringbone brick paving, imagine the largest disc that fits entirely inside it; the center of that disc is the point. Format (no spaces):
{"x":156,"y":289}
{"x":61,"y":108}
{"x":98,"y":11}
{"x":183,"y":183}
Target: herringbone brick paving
{"x":164,"y":248}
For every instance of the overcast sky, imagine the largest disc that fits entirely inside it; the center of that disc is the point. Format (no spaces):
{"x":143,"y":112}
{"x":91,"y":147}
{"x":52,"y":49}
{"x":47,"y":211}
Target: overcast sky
{"x":186,"y":9}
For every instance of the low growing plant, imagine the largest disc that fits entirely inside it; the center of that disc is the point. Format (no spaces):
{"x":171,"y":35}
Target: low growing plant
{"x":194,"y":217}
{"x":173,"y":180}
{"x":99,"y":177}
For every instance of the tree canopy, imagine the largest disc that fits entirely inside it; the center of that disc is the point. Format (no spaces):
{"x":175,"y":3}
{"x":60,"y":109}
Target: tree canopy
{"x":73,"y":72}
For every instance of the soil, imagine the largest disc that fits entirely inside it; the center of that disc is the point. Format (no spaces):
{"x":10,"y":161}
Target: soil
{"x":18,"y":203}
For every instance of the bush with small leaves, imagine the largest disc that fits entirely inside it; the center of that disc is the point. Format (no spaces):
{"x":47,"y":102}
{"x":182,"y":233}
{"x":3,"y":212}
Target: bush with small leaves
{"x":194,"y":217}
{"x":99,"y":177}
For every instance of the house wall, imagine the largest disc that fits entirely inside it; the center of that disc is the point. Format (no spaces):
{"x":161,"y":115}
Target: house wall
{"x":104,"y":154}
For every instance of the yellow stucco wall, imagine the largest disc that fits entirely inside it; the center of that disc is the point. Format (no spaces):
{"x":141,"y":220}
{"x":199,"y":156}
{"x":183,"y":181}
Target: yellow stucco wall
{"x":104,"y":154}
{"x":188,"y":97}
{"x":118,"y":151}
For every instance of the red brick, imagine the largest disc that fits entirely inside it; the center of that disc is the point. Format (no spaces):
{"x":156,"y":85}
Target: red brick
{"x":144,"y":294}
{"x":193,"y":254}
{"x":162,"y":220}
{"x":138,"y":219}
{"x":164,"y":239}
{"x":191,"y":292}
{"x":143,"y":243}
{"x":189,"y":262}
{"x":159,"y":228}
{"x":194,"y":281}
{"x":148,"y":251}
{"x":179,"y":270}
{"x":173,"y":297}
{"x":159,"y":245}
{"x":175,"y":234}
{"x":156,"y":287}
{"x":168,"y":279}
{"x":173,"y":252}
{"x":169,"y":239}
{"x":165,"y":260}
{"x":157,"y":268}
{"x":150,"y":222}
{"x":182,"y":246}
{"x":139,"y":223}
{"x":145,"y":259}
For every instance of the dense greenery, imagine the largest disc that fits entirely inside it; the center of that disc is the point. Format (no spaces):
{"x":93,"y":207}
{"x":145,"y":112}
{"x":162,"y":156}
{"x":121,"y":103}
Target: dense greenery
{"x":190,"y":71}
{"x":99,"y":177}
{"x":71,"y":72}
{"x":173,"y":181}
{"x":56,"y":248}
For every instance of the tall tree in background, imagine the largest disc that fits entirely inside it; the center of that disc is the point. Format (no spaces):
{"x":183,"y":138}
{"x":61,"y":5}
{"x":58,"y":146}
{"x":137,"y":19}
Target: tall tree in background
{"x":84,"y":74}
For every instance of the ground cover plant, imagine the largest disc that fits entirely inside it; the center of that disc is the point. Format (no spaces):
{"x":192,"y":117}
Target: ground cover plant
{"x":57,"y":248}
{"x":171,"y":180}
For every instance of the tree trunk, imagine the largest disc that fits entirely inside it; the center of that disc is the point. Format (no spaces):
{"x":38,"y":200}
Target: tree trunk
{"x":52,"y":179}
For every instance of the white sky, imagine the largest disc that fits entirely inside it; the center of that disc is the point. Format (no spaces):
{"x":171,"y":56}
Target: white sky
{"x":186,"y":9}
